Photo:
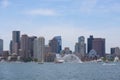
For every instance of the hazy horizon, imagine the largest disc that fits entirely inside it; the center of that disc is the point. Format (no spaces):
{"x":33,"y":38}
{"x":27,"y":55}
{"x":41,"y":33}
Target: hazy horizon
{"x":67,"y":18}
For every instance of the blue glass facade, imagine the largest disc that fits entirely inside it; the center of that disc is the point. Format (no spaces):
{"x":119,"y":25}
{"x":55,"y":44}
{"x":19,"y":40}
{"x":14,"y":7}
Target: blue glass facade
{"x":59,"y":42}
{"x":56,"y":44}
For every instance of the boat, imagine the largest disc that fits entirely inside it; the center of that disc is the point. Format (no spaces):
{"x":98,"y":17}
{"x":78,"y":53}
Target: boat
{"x":59,"y":60}
{"x":99,"y":60}
{"x":110,"y":64}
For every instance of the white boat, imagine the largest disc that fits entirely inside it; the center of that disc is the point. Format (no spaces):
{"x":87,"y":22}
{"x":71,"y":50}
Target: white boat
{"x":99,"y":60}
{"x":59,"y":61}
{"x":109,"y":64}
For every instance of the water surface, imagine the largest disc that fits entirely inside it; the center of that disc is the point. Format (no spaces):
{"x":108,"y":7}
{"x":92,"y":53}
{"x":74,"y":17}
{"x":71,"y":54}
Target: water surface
{"x":65,"y":71}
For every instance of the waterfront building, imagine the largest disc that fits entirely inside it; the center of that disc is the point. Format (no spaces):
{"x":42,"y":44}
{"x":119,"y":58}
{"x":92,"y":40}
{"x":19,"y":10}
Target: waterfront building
{"x":24,"y":47}
{"x":39,"y":47}
{"x":56,"y":44}
{"x":89,"y":43}
{"x":93,"y":54}
{"x":30,"y":45}
{"x":115,"y":52}
{"x":80,"y":47}
{"x":1,"y":46}
{"x":59,"y":42}
{"x":47,"y":49}
{"x":10,"y":46}
{"x":5,"y":54}
{"x":76,"y":47}
{"x":49,"y":56}
{"x":15,"y":42}
{"x":35,"y":48}
{"x":98,"y":44}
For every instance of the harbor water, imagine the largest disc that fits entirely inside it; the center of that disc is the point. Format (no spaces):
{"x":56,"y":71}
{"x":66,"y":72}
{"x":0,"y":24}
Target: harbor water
{"x":61,"y":71}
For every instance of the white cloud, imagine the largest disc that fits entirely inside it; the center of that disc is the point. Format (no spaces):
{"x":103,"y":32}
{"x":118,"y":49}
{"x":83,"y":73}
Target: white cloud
{"x":43,"y":12}
{"x":5,"y":3}
{"x":99,"y":6}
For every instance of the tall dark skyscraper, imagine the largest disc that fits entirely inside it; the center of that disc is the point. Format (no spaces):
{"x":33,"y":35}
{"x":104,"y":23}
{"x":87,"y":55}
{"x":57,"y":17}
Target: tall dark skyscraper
{"x":16,"y":36}
{"x":31,"y":44}
{"x":1,"y":46}
{"x":59,"y":42}
{"x":89,"y":43}
{"x":56,"y":44}
{"x":15,"y":42}
{"x":98,"y":44}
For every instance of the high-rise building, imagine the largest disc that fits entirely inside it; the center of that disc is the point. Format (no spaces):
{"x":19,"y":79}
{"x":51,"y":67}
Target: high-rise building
{"x":35,"y":47}
{"x":15,"y":42}
{"x":30,"y":45}
{"x":56,"y":44}
{"x":89,"y":43}
{"x":59,"y":40}
{"x":39,"y":47}
{"x":10,"y":46}
{"x":24,"y":47}
{"x":77,"y":48}
{"x":49,"y":56}
{"x":98,"y":44}
{"x":47,"y":49}
{"x":80,"y":47}
{"x":1,"y":46}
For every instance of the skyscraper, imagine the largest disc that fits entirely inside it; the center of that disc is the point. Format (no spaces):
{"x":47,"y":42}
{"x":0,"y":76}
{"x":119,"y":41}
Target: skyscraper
{"x":56,"y":44}
{"x":80,"y":47}
{"x":39,"y":47}
{"x":77,"y":48}
{"x":1,"y":46}
{"x":24,"y":47}
{"x":89,"y":43}
{"x":15,"y":42}
{"x":98,"y":44}
{"x":35,"y":47}
{"x":59,"y":40}
{"x":10,"y":46}
{"x":30,"y":45}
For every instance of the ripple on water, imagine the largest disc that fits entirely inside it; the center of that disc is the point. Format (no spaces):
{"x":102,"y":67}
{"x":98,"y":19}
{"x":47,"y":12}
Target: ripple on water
{"x":52,"y":71}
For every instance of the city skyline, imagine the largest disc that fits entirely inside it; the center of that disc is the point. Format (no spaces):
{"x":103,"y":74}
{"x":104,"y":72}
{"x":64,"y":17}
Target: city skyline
{"x":67,"y":18}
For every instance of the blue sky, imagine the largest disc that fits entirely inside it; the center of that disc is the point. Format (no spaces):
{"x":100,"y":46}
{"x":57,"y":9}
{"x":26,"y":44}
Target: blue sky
{"x":68,"y":18}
